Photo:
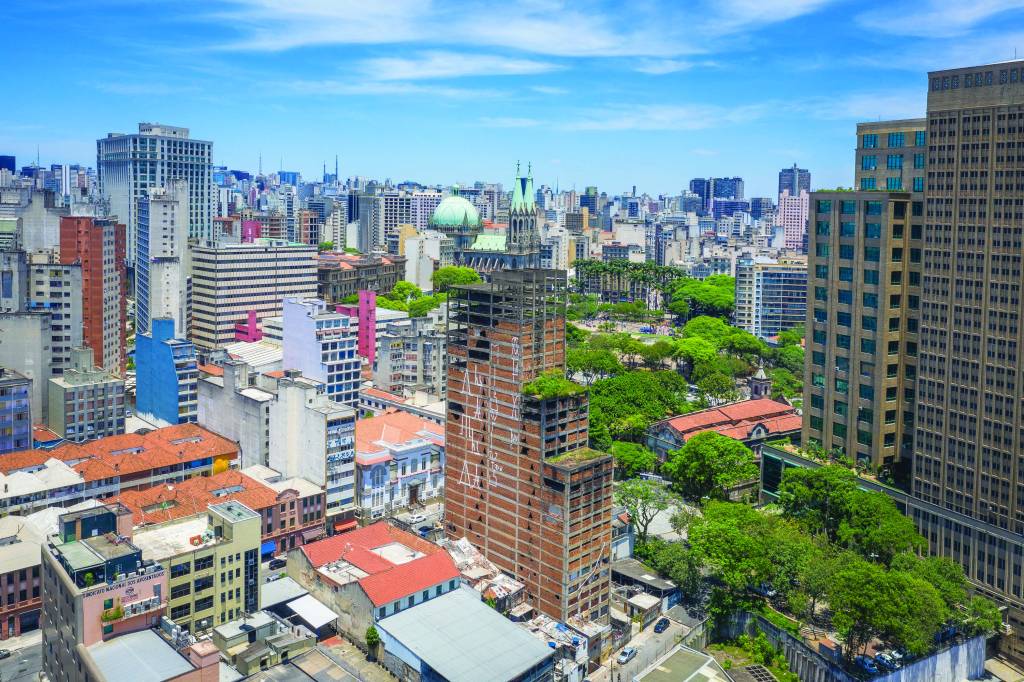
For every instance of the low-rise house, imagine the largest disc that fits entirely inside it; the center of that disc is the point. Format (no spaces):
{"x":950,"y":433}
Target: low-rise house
{"x":635,"y":576}
{"x":482,"y":575}
{"x":372,"y":572}
{"x":426,"y":405}
{"x":260,"y":640}
{"x":20,"y":600}
{"x":751,"y":422}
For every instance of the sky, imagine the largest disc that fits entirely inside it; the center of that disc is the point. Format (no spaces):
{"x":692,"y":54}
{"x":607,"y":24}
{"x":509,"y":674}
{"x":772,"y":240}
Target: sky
{"x":613,"y":94}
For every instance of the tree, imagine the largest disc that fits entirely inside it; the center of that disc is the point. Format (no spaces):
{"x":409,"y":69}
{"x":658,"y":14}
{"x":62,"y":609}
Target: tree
{"x":708,"y":464}
{"x":681,"y":520}
{"x":654,"y":354}
{"x":980,"y":616}
{"x":643,"y":501}
{"x":785,"y":384}
{"x":874,"y":528}
{"x":791,"y":337}
{"x":714,"y":296}
{"x":694,"y":350}
{"x":711,"y":329}
{"x":419,"y":307}
{"x":574,"y":336}
{"x":790,"y":358}
{"x":405,"y":291}
{"x":453,"y":275}
{"x":592,"y":363}
{"x":717,"y":388}
{"x":629,"y":402}
{"x":818,"y":498}
{"x":632,"y":458}
{"x":325,"y":246}
{"x":372,"y":638}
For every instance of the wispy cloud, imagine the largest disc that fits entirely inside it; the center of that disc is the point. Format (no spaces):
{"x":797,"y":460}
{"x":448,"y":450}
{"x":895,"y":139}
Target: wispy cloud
{"x":668,"y":117}
{"x":440,"y":64}
{"x":509,"y":122}
{"x":936,"y":18}
{"x":660,"y":67}
{"x":549,"y":90}
{"x":389,"y":88}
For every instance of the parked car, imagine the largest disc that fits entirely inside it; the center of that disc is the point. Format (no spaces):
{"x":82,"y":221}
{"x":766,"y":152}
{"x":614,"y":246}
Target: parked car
{"x":886,"y":661}
{"x":424,"y":531}
{"x":661,"y":625}
{"x":277,"y":563}
{"x":866,"y":664}
{"x":626,"y":655}
{"x":417,"y":518}
{"x":5,"y":653}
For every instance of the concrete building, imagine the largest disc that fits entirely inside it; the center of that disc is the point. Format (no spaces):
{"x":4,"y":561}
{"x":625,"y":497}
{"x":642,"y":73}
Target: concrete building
{"x":412,"y":357}
{"x":27,"y":350}
{"x":15,"y":411}
{"x":792,"y":216}
{"x":87,"y":402}
{"x":56,"y":288}
{"x":771,"y":294}
{"x":795,"y":180}
{"x":509,"y":456}
{"x":129,"y":165}
{"x":237,"y":409}
{"x":399,"y":464}
{"x":422,"y":206}
{"x":96,"y":586}
{"x":162,"y":282}
{"x":751,"y":422}
{"x":20,"y":574}
{"x":213,"y":564}
{"x":425,"y":253}
{"x":891,"y":155}
{"x":313,"y":437}
{"x":322,"y":345}
{"x":340,"y":275}
{"x":98,"y":245}
{"x":232,"y":279}
{"x":166,"y":375}
{"x":864,"y":270}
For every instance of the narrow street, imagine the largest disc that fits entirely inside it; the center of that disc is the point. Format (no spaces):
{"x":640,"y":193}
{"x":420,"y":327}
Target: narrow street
{"x":650,"y":647}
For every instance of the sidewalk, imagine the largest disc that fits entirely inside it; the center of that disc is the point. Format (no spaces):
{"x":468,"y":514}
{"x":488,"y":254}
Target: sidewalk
{"x":34,"y":638}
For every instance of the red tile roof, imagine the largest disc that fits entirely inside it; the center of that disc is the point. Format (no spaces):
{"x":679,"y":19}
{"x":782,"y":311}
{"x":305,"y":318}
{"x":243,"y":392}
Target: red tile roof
{"x":736,"y":420}
{"x":394,"y":427}
{"x":386,"y":581}
{"x":384,"y":395}
{"x":43,"y":434}
{"x":212,"y":370}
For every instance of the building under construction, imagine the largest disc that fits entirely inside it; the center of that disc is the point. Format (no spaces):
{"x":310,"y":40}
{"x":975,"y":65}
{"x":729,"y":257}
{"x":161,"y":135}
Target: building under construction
{"x":520,"y":482}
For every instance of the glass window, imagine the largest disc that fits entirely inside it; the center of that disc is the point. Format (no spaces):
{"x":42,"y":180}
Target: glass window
{"x":824,"y":206}
{"x":871,"y":276}
{"x":847,"y":229}
{"x":866,"y":392}
{"x":821,"y":250}
{"x":867,"y":346}
{"x":818,"y":379}
{"x":848,"y":207}
{"x":820,"y":336}
{"x":816,"y":423}
{"x":895,"y":140}
{"x":821,"y":271}
{"x":894,"y":161}
{"x":864,"y":437}
{"x":818,"y":357}
{"x":820,"y":293}
{"x":920,"y":135}
{"x":840,"y":408}
{"x":919,"y":160}
{"x":839,"y":429}
{"x":868,"y":184}
{"x":844,"y":296}
{"x":869,"y":141}
{"x":870,"y":300}
{"x":918,"y":185}
{"x":871,"y":254}
{"x":822,"y":228}
{"x":843,"y":341}
{"x":868,"y":162}
{"x":818,"y":402}
{"x":842,"y":364}
{"x":873,"y":207}
{"x":842,"y":319}
{"x":894,"y":184}
{"x":842,"y":385}
{"x":869,"y":322}
{"x":897,"y":254}
{"x":845,"y":274}
{"x":821,"y":316}
{"x":845,"y":251}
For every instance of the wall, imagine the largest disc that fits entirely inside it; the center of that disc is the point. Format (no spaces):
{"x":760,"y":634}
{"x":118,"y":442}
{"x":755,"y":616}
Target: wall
{"x":133,"y":589}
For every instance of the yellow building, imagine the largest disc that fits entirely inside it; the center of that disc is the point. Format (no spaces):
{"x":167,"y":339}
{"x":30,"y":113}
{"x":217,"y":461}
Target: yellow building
{"x":213,"y":563}
{"x":405,"y":231}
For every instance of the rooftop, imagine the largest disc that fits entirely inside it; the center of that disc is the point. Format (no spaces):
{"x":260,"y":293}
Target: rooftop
{"x":141,"y":656}
{"x":171,"y":539}
{"x":684,"y":665}
{"x":375,"y":434}
{"x":465,"y":640}
{"x":21,"y":541}
{"x":641,"y":573}
{"x":737,"y":420}
{"x":576,"y":457}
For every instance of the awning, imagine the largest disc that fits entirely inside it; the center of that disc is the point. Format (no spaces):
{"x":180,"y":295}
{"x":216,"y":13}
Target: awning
{"x":312,"y":611}
{"x":268,"y":547}
{"x":311,"y":534}
{"x":340,"y":526}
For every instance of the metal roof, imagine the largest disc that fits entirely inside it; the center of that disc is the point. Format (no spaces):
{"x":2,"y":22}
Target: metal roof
{"x":464,"y":640}
{"x":138,"y":657}
{"x":312,"y":611}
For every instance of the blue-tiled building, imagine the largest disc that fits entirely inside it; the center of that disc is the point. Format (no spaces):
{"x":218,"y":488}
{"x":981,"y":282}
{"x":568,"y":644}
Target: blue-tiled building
{"x":166,"y":377}
{"x":15,"y":411}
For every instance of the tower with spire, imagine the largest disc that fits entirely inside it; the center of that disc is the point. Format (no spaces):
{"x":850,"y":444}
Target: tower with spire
{"x":523,"y":237}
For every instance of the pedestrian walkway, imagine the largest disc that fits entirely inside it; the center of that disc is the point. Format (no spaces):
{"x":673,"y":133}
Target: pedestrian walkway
{"x":33,"y":638}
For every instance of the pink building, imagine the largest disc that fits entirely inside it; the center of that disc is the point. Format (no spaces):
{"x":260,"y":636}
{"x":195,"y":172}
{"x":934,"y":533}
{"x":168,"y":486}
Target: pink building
{"x":792,"y":216}
{"x":251,"y":230}
{"x":249,"y":330}
{"x":366,"y":314}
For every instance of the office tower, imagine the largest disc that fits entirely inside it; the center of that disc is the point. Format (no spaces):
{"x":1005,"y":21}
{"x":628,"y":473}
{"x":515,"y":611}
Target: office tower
{"x":702,"y":188}
{"x":891,"y":155}
{"x":792,"y":216}
{"x":726,"y":188}
{"x":87,"y":402}
{"x":864,"y":289}
{"x":166,"y":375}
{"x":968,"y":448}
{"x":520,"y":482}
{"x":161,"y":258}
{"x":589,"y":199}
{"x":229,"y":280}
{"x":728,"y":207}
{"x":15,"y":411}
{"x":795,"y":180}
{"x":322,"y":345}
{"x":7,"y":163}
{"x":371,"y":223}
{"x":771,"y":294}
{"x":96,"y":585}
{"x":56,"y":288}
{"x":396,"y":210}
{"x":128,"y":165}
{"x":313,"y":437}
{"x":26,"y":349}
{"x":98,"y":245}
{"x":761,"y":207}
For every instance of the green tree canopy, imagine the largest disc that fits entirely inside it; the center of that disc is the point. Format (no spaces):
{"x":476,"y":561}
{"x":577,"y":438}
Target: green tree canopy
{"x":715,"y":295}
{"x":453,"y":275}
{"x":708,"y":464}
{"x":633,"y":458}
{"x":711,"y":329}
{"x":643,"y":501}
{"x":325,"y":246}
{"x":592,"y":363}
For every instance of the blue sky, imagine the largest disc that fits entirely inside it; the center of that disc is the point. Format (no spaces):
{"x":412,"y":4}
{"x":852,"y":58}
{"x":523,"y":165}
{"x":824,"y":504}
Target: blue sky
{"x":612,"y":94}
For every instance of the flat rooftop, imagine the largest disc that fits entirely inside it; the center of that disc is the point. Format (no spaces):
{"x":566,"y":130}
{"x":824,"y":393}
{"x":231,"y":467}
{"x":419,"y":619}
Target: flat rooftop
{"x":171,"y":539}
{"x":138,"y":657}
{"x":684,"y":665}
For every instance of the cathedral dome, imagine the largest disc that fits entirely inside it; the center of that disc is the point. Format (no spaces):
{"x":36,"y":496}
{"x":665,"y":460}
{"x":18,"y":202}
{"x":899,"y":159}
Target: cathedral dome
{"x":455,"y":211}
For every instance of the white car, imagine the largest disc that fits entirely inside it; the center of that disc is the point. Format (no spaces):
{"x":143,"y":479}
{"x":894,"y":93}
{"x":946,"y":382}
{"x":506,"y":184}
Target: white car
{"x":627,"y":655}
{"x":417,"y":518}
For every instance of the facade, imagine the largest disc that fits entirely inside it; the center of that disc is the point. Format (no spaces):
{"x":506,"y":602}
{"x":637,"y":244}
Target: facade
{"x":891,"y":155}
{"x":27,"y":350}
{"x":56,"y":288}
{"x":771,"y":294}
{"x":87,"y":402}
{"x":795,"y":180}
{"x":96,"y":586}
{"x":230,"y":280}
{"x":128,"y":166}
{"x":313,"y":437}
{"x":340,"y":275}
{"x":162,"y":283}
{"x":166,"y":388}
{"x":230,"y":406}
{"x":98,"y":245}
{"x":213,"y":564}
{"x":399,"y":463}
{"x":792,"y":216}
{"x":20,"y":576}
{"x":518,"y":474}
{"x":751,"y":422}
{"x":15,"y":411}
{"x":322,"y":345}
{"x":412,"y":358}
{"x":864,"y":270}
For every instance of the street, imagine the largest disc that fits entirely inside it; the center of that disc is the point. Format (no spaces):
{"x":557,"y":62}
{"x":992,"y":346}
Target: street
{"x":23,"y":665}
{"x":650,"y":647}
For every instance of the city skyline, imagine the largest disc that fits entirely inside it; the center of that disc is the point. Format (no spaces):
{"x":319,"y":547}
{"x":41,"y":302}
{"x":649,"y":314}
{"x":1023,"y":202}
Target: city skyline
{"x":651,"y":97}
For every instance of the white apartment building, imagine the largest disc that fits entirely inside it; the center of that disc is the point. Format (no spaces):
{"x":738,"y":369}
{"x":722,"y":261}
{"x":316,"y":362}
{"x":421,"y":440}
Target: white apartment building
{"x":411,"y":356}
{"x":422,"y":207}
{"x":162,"y":283}
{"x":237,"y":406}
{"x":792,"y":216}
{"x":424,"y":254}
{"x":322,"y":344}
{"x":56,"y":288}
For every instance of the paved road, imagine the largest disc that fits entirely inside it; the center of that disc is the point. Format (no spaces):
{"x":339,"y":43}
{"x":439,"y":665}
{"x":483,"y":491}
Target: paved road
{"x":651,"y":646}
{"x":23,"y":665}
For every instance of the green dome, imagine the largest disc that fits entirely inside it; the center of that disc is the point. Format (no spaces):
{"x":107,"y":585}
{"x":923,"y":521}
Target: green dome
{"x":455,"y":211}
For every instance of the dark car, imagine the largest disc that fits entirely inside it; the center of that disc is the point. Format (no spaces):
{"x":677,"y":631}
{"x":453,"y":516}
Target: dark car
{"x":277,"y":563}
{"x":425,"y":531}
{"x":5,"y":653}
{"x":661,"y":625}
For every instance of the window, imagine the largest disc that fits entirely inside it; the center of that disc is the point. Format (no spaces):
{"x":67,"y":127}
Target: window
{"x":890,"y":416}
{"x":864,"y":437}
{"x":820,"y":336}
{"x":108,"y":603}
{"x":867,"y":346}
{"x":843,"y":341}
{"x":178,"y":570}
{"x":897,"y":254}
{"x":918,"y":185}
{"x":821,"y":316}
{"x":204,"y":583}
{"x":181,"y":611}
{"x":821,"y":271}
{"x":871,"y":276}
{"x":890,"y":393}
{"x":847,"y":207}
{"x":873,"y":230}
{"x":842,"y":385}
{"x":847,"y":229}
{"x":895,"y":140}
{"x":842,"y":319}
{"x":866,"y":392}
{"x":204,"y":603}
{"x":842,"y":364}
{"x":824,"y":206}
{"x":894,"y":161}
{"x":845,"y":250}
{"x":821,"y":250}
{"x":382,"y":611}
{"x":820,"y":293}
{"x":869,"y":141}
{"x":919,"y":161}
{"x":839,"y":407}
{"x":869,"y":322}
{"x":822,"y":228}
{"x":839,"y":429}
{"x":818,"y":358}
{"x":845,"y":274}
{"x":870,"y":300}
{"x":868,"y":184}
{"x":203,"y":563}
{"x":869,"y":162}
{"x":182,"y":590}
{"x":818,"y":402}
{"x":844,"y":296}
{"x":920,"y":135}
{"x":873,"y":207}
{"x":818,"y":379}
{"x":816,"y":423}
{"x":871,"y":254}
{"x":866,"y":415}
{"x":894,"y":184}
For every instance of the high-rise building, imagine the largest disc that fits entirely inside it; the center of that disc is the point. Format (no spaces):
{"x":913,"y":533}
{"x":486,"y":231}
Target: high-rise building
{"x":128,"y":165}
{"x":771,"y":294}
{"x":795,"y":180}
{"x":322,"y":344}
{"x":864,"y":278}
{"x":162,"y":284}
{"x":520,"y":482}
{"x":166,"y":375}
{"x":702,"y":188}
{"x":87,"y":402}
{"x":726,"y":188}
{"x":15,"y":411}
{"x":26,"y":350}
{"x":412,"y":358}
{"x":230,"y":280}
{"x":98,"y":245}
{"x":891,"y":155}
{"x":761,"y":207}
{"x":56,"y":288}
{"x":792,"y":216}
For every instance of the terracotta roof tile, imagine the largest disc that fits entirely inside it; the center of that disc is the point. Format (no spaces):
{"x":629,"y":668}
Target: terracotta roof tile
{"x":405,"y":579}
{"x":727,"y":416}
{"x":212,"y":370}
{"x":394,"y":427}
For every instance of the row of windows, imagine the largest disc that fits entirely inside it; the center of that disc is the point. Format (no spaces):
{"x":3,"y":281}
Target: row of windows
{"x":894,"y":140}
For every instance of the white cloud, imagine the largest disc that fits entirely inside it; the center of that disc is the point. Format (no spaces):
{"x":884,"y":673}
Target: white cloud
{"x":668,"y":117}
{"x":935,"y":18}
{"x":340,"y":87}
{"x":439,"y":64}
{"x":549,"y":90}
{"x":659,"y":67}
{"x":509,"y":122}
